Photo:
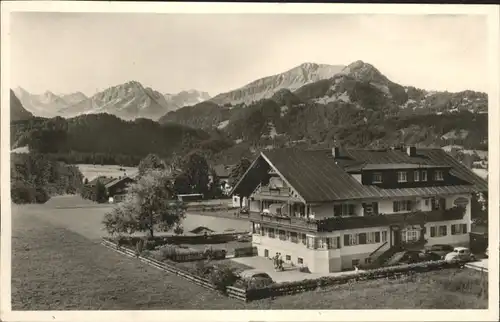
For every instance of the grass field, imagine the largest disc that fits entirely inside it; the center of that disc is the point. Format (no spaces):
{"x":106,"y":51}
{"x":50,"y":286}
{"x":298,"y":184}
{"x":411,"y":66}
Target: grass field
{"x":58,"y":263}
{"x":91,"y":171}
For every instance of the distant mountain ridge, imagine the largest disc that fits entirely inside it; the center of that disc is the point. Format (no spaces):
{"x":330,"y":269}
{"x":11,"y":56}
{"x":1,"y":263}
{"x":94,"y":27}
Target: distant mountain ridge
{"x":265,"y":87}
{"x":128,"y":101}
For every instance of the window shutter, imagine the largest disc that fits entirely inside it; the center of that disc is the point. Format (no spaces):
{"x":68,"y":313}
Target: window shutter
{"x":433,"y":231}
{"x":408,"y":205}
{"x":351,"y":209}
{"x":464,"y":228}
{"x":453,"y":230}
{"x":346,"y":240}
{"x":377,"y":237}
{"x":395,"y":207}
{"x":375,"y":208}
{"x":337,"y":242}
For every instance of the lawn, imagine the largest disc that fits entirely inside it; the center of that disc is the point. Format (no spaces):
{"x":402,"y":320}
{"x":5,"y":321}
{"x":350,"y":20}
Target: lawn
{"x":58,"y":263}
{"x":91,"y":171}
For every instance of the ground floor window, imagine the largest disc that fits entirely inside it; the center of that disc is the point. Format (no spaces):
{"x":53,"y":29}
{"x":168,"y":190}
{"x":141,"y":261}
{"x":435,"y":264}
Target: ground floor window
{"x":282,"y":235}
{"x":439,"y":231}
{"x":384,"y":236}
{"x":311,"y":242}
{"x":410,"y":235}
{"x":294,"y":238}
{"x":288,"y":258}
{"x":372,"y":237}
{"x":459,"y":229}
{"x":304,"y":239}
{"x":300,"y":260}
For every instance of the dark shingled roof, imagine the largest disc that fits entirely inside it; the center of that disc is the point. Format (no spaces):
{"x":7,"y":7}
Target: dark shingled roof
{"x":317,"y":177}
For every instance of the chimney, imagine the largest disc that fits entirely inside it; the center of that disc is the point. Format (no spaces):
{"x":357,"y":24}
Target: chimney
{"x":336,"y":152}
{"x":411,"y":151}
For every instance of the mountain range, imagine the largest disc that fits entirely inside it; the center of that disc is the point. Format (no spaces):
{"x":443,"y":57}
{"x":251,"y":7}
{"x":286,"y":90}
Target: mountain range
{"x":128,"y":101}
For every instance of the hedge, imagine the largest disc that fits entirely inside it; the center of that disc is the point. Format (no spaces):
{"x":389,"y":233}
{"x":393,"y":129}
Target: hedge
{"x":245,"y":251}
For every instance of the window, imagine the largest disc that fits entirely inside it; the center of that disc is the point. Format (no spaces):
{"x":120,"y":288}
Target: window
{"x":362,"y":238}
{"x":368,"y":260}
{"x":410,"y":235}
{"x":294,"y":238}
{"x":300,"y":260}
{"x":433,"y":231}
{"x":402,"y":205}
{"x":424,"y":175}
{"x":442,"y":231}
{"x":350,"y":240}
{"x":459,"y":229}
{"x":271,"y":233}
{"x":384,"y":236}
{"x":304,"y":239}
{"x":377,"y":177}
{"x":426,"y":202}
{"x":282,"y":235}
{"x":402,"y":176}
{"x":311,"y":243}
{"x":438,"y":175}
{"x":288,"y":257}
{"x":343,"y":210}
{"x":331,"y":243}
{"x":416,"y":176}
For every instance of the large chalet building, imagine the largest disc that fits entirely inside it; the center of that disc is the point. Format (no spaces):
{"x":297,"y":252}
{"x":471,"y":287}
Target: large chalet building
{"x":333,"y":209}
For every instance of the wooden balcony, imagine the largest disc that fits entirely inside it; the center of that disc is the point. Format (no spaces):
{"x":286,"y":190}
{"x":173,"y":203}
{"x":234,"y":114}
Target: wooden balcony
{"x":342,"y":223}
{"x":281,"y":192}
{"x":282,"y":221}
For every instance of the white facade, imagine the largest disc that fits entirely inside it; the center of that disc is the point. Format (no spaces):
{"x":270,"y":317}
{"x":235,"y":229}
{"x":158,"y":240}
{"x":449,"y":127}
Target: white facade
{"x":343,"y":257}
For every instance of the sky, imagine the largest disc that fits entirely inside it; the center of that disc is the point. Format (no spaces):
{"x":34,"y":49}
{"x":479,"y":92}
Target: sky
{"x":88,"y":52}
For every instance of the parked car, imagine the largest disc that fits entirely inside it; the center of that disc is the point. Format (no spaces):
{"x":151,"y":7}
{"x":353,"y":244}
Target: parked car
{"x":461,"y":254}
{"x":440,"y":249}
{"x":410,"y":257}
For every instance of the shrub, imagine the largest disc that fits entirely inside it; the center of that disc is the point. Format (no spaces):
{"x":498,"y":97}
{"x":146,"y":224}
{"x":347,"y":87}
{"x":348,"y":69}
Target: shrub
{"x":168,"y":252}
{"x":245,"y":251}
{"x":211,"y":253}
{"x":223,"y":276}
{"x":304,"y":269}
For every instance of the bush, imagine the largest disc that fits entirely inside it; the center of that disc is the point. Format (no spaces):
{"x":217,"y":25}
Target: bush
{"x":223,"y":276}
{"x":245,"y":251}
{"x":304,"y":269}
{"x":211,"y":253}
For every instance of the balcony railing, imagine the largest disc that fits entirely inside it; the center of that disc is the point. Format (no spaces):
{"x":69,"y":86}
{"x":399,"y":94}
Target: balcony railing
{"x":342,"y":223}
{"x":281,"y":192}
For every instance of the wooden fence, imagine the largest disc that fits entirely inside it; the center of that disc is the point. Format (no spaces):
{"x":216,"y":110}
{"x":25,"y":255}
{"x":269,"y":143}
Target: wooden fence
{"x":233,"y":292}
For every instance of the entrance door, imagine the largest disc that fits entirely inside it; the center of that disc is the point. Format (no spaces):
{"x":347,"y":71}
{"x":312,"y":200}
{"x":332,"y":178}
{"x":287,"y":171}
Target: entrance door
{"x":397,"y":238}
{"x":266,"y":253}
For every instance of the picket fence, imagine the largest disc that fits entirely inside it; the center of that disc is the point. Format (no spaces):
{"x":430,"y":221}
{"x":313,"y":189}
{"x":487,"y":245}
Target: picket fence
{"x":290,"y":287}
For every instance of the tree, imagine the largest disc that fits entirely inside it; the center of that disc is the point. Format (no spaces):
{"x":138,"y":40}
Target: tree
{"x":151,"y":161}
{"x":148,"y":207}
{"x":86,"y":181}
{"x":100,"y":192}
{"x":238,"y":171}
{"x":196,"y":169}
{"x":181,"y":184}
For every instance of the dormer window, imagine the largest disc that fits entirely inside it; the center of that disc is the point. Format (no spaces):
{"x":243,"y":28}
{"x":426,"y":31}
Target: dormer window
{"x":402,"y":176}
{"x":424,"y":175}
{"x":377,"y":177}
{"x":416,"y":176}
{"x":438,"y":175}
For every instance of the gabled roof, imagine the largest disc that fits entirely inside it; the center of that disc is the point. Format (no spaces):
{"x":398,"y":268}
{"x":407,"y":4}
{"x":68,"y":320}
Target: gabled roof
{"x":103,"y":179}
{"x":117,"y":180}
{"x":318,"y":177}
{"x":223,"y":171}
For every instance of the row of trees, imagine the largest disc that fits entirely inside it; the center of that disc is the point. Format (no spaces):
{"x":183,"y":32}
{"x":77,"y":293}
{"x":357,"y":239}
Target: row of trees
{"x":36,"y":177}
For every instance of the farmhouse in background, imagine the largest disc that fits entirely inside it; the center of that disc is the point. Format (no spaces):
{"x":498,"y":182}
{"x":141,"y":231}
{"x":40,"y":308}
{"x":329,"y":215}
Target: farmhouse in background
{"x":335,"y":209}
{"x":115,"y":187}
{"x":223,"y":172}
